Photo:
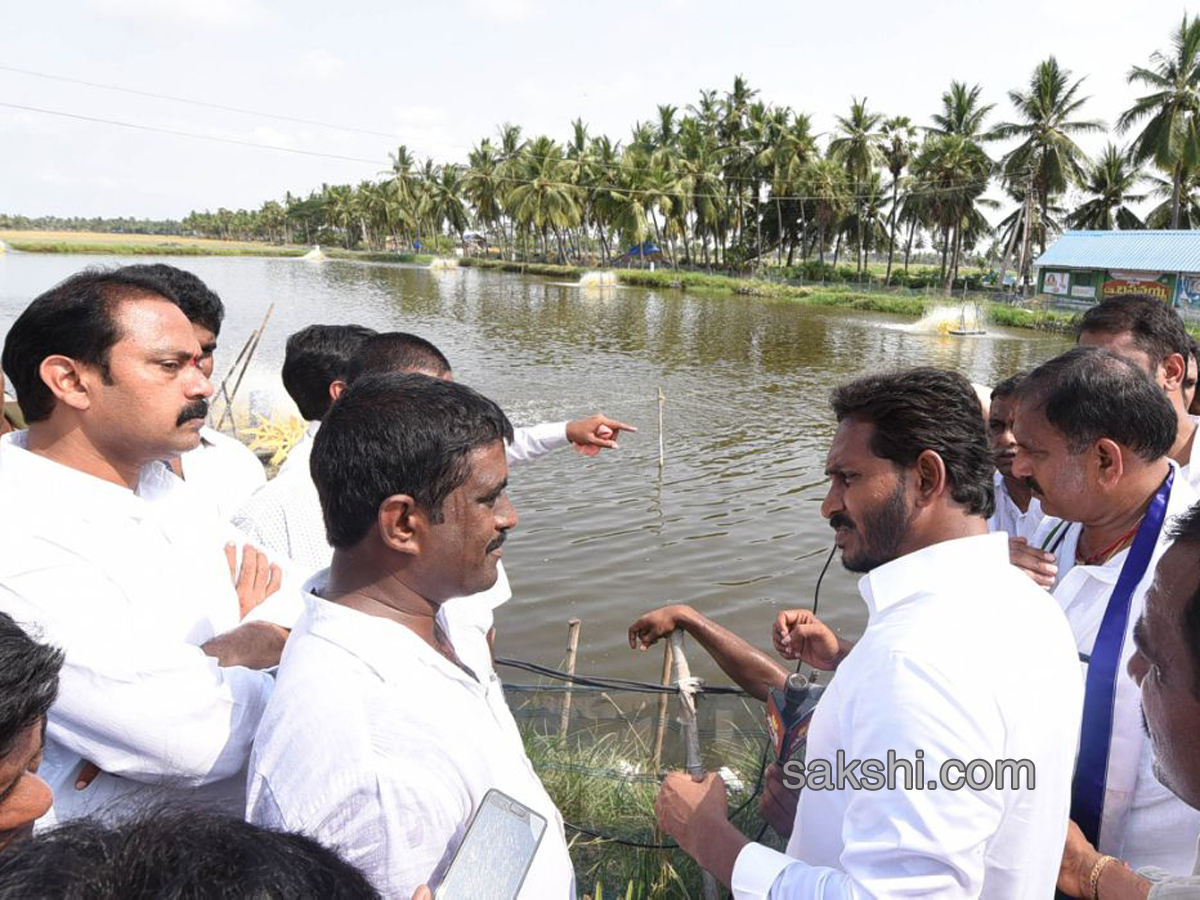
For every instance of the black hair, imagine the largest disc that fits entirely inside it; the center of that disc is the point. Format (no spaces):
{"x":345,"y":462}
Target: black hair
{"x":1187,"y":528}
{"x":28,"y":681}
{"x":397,"y":434}
{"x":1194,"y":352}
{"x":76,"y":319}
{"x":177,"y":854}
{"x":1156,"y":329}
{"x":316,"y":357}
{"x":198,"y":301}
{"x":397,"y":351}
{"x":919,"y":409}
{"x":1089,"y":393}
{"x":1009,"y":386}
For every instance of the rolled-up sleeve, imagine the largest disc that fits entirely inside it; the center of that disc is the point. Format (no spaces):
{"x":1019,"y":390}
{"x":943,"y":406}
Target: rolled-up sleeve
{"x":536,"y":440}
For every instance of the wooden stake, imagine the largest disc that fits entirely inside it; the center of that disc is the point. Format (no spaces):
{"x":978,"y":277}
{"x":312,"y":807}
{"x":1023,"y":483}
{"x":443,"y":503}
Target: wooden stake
{"x":661,"y":731}
{"x":573,"y":626}
{"x":687,"y":718}
{"x":662,"y":458}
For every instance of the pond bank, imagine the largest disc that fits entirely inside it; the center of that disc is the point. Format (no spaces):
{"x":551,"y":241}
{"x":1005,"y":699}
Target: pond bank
{"x":997,"y":313}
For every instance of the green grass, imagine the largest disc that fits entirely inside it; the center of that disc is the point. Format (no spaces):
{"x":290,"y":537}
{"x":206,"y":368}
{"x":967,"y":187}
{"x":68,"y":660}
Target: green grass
{"x":139,"y":249}
{"x":603,"y":782}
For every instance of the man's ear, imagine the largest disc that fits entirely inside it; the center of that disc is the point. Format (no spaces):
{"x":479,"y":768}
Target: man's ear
{"x":931,"y":477}
{"x":336,"y":389}
{"x":402,"y":524}
{"x":67,"y":380}
{"x":1110,"y":462}
{"x":1174,"y":371}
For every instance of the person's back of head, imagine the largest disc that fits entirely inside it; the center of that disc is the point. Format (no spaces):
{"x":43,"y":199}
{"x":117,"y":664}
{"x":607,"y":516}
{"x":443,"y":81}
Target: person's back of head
{"x":398,"y":351}
{"x":1009,"y":387}
{"x":919,"y":409}
{"x":29,"y":673}
{"x":1151,"y":326}
{"x":177,"y":855}
{"x":397,"y":434}
{"x":197,"y":300}
{"x":314,"y":359}
{"x":76,"y":319}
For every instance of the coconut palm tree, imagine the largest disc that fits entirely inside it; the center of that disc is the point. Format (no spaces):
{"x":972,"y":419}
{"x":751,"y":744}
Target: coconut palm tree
{"x":825,"y":188}
{"x":1110,"y":182}
{"x":1165,"y":190}
{"x":540,"y":199}
{"x":961,"y":112}
{"x":858,"y":148}
{"x":899,"y":144}
{"x":1171,"y":135}
{"x":1047,"y":157}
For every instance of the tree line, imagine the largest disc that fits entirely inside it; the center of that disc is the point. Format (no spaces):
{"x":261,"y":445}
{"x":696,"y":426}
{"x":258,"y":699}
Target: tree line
{"x":733,"y":182}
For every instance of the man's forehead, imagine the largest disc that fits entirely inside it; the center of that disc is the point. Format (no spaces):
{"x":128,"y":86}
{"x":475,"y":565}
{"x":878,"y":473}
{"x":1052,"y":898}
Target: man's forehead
{"x":851,"y":442}
{"x":146,"y":318}
{"x":1122,"y":343}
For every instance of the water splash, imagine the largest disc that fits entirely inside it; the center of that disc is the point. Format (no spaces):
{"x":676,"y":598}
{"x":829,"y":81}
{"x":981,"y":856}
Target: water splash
{"x":442,"y":263}
{"x":598,"y":279}
{"x":315,"y":254}
{"x":946,"y":319}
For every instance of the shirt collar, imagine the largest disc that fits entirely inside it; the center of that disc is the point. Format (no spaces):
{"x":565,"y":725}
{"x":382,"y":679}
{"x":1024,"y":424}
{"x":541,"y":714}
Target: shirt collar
{"x":387,"y":647}
{"x":59,"y":486}
{"x":929,"y":568}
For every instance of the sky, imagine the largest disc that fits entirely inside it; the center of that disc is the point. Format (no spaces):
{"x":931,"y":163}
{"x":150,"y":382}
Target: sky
{"x":437,"y":77}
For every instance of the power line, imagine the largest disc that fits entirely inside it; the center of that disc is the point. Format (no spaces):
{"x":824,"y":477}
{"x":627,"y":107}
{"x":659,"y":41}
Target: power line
{"x":187,"y":134}
{"x":193,"y":102}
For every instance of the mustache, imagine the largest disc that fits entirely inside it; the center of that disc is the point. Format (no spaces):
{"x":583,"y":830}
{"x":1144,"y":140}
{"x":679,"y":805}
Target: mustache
{"x":498,"y":542}
{"x":1033,"y":485}
{"x":841,"y":520}
{"x":196,"y":410}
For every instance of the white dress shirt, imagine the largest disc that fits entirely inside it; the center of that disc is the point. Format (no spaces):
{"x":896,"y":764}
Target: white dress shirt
{"x":299,"y":455}
{"x":963,"y":658}
{"x":1192,"y":470}
{"x":284,"y":517}
{"x":129,"y":585}
{"x":223,"y":470}
{"x":378,"y":746}
{"x":1143,"y":823}
{"x":1008,"y":516}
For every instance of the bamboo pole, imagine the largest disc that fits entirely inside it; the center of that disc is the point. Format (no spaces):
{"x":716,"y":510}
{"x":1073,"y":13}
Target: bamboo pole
{"x":687,"y":718}
{"x":662,"y":458}
{"x":661,"y":730}
{"x":248,"y":352}
{"x":573,"y":626}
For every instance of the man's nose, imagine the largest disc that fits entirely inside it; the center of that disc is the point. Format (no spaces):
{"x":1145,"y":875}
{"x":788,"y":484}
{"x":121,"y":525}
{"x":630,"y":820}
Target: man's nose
{"x":1020,"y":465}
{"x":199,"y":386}
{"x":832,"y":502}
{"x":506,"y":513}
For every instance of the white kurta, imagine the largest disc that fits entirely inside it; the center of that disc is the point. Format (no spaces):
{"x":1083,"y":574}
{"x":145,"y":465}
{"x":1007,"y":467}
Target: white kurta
{"x":1008,"y":516}
{"x":1143,"y":822}
{"x":963,"y":658}
{"x":223,"y":470}
{"x":284,"y":518}
{"x":1192,"y":470}
{"x":377,"y":745}
{"x":129,"y":586}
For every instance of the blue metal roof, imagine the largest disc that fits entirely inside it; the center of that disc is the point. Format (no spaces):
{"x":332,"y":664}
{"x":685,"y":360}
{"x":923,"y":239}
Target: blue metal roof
{"x":1139,"y":251}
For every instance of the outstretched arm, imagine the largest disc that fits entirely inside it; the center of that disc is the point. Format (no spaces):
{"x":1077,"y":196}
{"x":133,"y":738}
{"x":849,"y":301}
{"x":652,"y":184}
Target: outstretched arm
{"x":754,"y":671}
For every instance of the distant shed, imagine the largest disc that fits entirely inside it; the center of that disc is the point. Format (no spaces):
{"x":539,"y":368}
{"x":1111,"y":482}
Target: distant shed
{"x":1091,"y":266}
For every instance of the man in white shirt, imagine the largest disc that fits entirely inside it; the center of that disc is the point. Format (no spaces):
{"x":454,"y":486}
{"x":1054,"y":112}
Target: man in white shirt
{"x":113,"y":559}
{"x":1094,"y":433}
{"x":931,"y":682}
{"x":285,"y":516}
{"x":1018,"y":512}
{"x":1151,"y":335}
{"x":221,"y":469}
{"x":388,"y":725}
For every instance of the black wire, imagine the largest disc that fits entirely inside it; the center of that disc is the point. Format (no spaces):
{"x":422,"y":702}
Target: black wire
{"x":817,"y":593}
{"x":613,"y":684}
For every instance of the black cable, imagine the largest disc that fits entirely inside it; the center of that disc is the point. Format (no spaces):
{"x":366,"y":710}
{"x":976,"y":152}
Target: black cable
{"x":817,"y":593}
{"x":613,"y":684}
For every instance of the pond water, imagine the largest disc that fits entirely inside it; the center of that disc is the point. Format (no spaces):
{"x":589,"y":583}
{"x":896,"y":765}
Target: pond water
{"x":732,"y":526}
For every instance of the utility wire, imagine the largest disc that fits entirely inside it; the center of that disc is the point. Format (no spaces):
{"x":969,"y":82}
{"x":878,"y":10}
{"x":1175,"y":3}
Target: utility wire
{"x":193,"y":102}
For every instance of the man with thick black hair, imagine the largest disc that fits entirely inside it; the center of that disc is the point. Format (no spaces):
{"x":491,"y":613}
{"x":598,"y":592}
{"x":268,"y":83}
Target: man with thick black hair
{"x":388,"y":724}
{"x":177,"y":854}
{"x":1151,"y":335}
{"x":1093,"y":434}
{"x":28,"y":687}
{"x":162,"y":684}
{"x":932,"y":679}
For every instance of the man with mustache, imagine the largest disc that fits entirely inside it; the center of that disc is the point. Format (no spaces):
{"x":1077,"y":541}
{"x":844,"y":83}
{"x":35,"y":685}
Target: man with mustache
{"x":110,"y":555}
{"x":932,"y":678}
{"x":388,"y":725}
{"x":1094,"y":433}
